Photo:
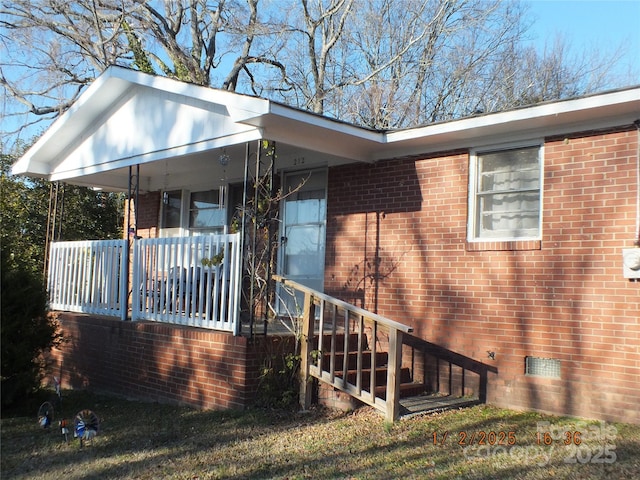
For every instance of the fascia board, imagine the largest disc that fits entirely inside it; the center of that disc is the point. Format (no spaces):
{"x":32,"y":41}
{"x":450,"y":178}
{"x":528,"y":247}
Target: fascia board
{"x":311,"y":131}
{"x":326,"y":123}
{"x":106,"y":182}
{"x":597,"y":111}
{"x":101,"y":93}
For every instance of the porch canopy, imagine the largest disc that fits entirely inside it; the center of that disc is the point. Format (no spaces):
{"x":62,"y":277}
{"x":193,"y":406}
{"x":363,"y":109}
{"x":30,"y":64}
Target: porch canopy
{"x":176,"y":132}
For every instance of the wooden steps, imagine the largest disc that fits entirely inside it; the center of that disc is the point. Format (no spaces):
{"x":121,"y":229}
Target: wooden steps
{"x":352,"y":357}
{"x":408,"y":387}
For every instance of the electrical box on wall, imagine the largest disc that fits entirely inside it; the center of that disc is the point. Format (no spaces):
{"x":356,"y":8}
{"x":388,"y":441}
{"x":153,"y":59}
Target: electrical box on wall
{"x":631,"y":262}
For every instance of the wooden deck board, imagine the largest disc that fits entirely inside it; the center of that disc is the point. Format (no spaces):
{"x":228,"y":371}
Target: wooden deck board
{"x":419,"y":404}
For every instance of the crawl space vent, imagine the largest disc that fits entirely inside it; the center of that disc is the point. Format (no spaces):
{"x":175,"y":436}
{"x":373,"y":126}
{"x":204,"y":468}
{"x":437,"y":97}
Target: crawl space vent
{"x":542,"y":367}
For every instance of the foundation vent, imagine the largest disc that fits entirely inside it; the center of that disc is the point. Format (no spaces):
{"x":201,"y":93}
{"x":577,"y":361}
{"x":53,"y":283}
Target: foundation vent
{"x":542,"y":367}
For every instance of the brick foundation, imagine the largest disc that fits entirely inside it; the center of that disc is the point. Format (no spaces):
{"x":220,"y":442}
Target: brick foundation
{"x":160,"y":362}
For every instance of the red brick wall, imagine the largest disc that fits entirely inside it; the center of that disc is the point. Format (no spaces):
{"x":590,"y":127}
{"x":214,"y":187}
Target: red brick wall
{"x":396,"y":242}
{"x":160,"y":362}
{"x":146,"y":213}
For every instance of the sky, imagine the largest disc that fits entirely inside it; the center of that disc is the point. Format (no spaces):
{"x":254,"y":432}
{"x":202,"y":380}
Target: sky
{"x":588,"y":24}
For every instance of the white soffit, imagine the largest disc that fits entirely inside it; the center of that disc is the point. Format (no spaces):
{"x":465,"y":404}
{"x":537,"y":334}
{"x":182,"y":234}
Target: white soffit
{"x":149,"y":125}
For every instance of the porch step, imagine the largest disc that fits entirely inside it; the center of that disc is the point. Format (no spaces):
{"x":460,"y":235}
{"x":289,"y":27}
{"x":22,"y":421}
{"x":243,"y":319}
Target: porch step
{"x":352,"y":358}
{"x":352,"y":343}
{"x":409,"y":389}
{"x":381,"y":376}
{"x":412,"y":406}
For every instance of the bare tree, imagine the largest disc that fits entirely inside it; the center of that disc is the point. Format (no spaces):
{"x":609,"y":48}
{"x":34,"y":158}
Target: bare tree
{"x":379,"y":63}
{"x":530,"y":77}
{"x":53,"y":49}
{"x":50,"y":52}
{"x":390,"y":63}
{"x":428,"y":60}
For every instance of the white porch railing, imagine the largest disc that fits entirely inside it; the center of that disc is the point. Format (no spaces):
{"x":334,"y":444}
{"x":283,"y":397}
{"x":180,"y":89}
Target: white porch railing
{"x":172,"y":284}
{"x":88,"y":277}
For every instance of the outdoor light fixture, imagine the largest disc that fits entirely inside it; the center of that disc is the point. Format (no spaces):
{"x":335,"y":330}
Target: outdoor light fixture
{"x":223,"y":159}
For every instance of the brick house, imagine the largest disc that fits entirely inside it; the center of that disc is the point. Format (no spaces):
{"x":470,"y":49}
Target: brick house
{"x":509,"y":239}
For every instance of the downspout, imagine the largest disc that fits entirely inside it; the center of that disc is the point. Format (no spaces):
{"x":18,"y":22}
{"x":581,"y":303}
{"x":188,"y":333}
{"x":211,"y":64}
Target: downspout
{"x":637,"y":236}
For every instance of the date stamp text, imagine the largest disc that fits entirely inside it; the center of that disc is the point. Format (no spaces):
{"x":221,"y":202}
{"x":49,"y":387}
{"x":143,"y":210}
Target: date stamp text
{"x":574,"y":443}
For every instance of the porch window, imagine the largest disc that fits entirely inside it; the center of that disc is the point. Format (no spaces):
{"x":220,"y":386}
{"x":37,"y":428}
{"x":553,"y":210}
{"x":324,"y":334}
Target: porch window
{"x":193,"y":213}
{"x":206,"y":212}
{"x":171,"y":209}
{"x":505,"y":194}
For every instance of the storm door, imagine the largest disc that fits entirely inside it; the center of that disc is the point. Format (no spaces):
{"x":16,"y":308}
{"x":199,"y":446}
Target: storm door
{"x":302,"y":235}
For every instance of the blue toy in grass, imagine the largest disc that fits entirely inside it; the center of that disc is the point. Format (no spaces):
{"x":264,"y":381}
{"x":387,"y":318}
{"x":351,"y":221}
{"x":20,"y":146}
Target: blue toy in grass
{"x":86,"y":425}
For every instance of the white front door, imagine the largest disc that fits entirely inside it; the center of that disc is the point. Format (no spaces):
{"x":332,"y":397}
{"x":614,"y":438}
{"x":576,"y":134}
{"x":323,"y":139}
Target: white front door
{"x":304,"y":215}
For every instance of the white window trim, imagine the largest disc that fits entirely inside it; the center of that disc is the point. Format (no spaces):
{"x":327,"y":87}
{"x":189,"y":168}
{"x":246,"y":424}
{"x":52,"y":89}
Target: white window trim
{"x":473,"y":194}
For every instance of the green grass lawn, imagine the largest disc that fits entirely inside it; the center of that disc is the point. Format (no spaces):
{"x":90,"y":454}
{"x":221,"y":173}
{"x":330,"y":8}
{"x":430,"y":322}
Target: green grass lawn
{"x":151,"y":441}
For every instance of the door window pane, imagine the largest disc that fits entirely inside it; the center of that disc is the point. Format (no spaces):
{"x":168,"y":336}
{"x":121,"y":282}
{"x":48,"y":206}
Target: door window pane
{"x":304,"y":250}
{"x":305,"y":207}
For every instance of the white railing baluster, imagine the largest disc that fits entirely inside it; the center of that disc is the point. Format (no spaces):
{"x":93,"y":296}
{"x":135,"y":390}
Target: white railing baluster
{"x":169,"y":281}
{"x":84,"y":277}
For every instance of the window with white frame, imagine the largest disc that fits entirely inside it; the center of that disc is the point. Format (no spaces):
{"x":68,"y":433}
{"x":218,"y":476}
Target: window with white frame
{"x":207,"y":213}
{"x":505,"y":194}
{"x":193,"y":213}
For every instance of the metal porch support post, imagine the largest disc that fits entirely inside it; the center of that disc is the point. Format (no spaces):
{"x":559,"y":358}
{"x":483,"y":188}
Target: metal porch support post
{"x":124,"y":285}
{"x":131,"y":236}
{"x":305,"y":351}
{"x":393,"y":375}
{"x":243,"y":242}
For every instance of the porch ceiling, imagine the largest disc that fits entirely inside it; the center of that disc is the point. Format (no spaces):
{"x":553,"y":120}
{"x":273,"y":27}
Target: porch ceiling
{"x":202,"y":170}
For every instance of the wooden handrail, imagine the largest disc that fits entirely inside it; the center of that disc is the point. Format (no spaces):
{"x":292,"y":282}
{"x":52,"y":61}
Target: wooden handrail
{"x":467,"y":363}
{"x":340,"y":303}
{"x":339,"y":379}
